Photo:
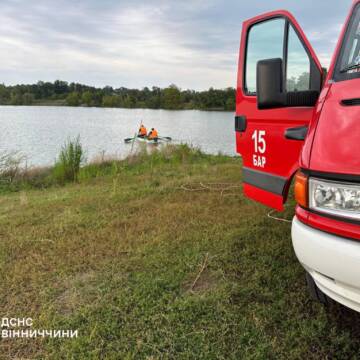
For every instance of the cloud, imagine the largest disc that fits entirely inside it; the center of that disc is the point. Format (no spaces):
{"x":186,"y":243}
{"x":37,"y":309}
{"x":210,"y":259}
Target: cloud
{"x":141,"y":43}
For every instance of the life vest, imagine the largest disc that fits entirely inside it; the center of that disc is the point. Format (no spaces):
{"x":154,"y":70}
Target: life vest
{"x":142,"y":130}
{"x":153,"y":134}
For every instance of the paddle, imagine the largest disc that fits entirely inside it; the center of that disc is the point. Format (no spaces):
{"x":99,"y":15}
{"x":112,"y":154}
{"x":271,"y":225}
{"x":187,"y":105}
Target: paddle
{"x":167,"y":138}
{"x":164,"y":138}
{"x":127,"y":140}
{"x":134,"y":138}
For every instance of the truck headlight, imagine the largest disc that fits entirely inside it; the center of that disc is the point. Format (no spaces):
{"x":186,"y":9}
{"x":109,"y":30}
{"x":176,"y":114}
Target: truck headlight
{"x":339,"y":199}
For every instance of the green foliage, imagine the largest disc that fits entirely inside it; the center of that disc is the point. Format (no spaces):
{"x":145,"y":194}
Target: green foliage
{"x":4,"y":94}
{"x":74,"y":94}
{"x":28,"y":99}
{"x":300,"y":83}
{"x":171,"y":98}
{"x":230,"y":104}
{"x":67,"y":166}
{"x":87,"y":98}
{"x":15,"y":98}
{"x":110,"y":101}
{"x":73,"y":99}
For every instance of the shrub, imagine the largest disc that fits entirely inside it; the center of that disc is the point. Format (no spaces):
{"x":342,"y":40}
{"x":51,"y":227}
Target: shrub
{"x":10,"y":166}
{"x":68,"y":164}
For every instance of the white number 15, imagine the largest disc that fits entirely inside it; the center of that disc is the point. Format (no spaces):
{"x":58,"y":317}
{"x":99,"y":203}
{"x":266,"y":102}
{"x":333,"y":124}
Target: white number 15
{"x":259,"y":141}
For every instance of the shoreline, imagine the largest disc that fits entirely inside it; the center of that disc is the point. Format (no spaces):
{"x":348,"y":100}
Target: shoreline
{"x":21,"y":176}
{"x":53,"y":104}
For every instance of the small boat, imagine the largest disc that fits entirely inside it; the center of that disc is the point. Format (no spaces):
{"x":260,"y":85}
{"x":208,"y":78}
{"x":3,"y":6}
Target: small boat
{"x":160,"y":139}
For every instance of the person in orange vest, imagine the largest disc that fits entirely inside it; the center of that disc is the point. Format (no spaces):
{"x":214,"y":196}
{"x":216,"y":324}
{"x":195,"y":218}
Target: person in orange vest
{"x":153,"y":134}
{"x":142,"y":131}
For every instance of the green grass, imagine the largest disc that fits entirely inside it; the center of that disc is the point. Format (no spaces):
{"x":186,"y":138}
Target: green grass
{"x":49,"y":102}
{"x":116,"y":256}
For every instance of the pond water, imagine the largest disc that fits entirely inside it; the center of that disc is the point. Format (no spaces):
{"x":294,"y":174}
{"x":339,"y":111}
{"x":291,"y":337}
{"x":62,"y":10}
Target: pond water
{"x":38,"y":132}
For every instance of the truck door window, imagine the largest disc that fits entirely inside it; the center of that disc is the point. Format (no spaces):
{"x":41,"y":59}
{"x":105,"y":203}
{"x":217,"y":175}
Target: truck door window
{"x":348,"y":64}
{"x":354,"y":52}
{"x":265,"y":41}
{"x":298,"y":64}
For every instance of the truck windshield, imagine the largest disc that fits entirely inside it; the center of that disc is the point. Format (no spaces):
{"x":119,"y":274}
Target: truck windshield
{"x":348,"y":65}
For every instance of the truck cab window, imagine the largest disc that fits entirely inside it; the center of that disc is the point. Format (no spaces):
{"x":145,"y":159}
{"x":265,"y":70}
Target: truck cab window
{"x":265,"y":41}
{"x":348,"y":65}
{"x":298,"y":64}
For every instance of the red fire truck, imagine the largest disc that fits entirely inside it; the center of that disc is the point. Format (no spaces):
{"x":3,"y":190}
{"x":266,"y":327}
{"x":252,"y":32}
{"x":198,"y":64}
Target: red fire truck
{"x":295,"y":122}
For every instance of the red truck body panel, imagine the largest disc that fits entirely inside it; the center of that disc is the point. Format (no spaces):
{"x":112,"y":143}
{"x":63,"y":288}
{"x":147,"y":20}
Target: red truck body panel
{"x":336,"y":146}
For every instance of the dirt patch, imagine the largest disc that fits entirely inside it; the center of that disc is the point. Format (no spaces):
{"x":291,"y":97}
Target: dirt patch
{"x":79,"y":290}
{"x":207,"y":281}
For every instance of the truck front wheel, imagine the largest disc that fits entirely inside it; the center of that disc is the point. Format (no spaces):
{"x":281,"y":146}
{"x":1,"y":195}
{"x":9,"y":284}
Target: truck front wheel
{"x":315,"y":292}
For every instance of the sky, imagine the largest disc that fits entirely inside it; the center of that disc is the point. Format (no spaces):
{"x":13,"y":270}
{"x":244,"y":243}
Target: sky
{"x":193,"y":44}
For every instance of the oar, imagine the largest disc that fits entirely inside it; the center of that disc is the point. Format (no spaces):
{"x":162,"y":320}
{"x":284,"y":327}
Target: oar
{"x":134,"y":138}
{"x":127,"y":140}
{"x":167,"y":138}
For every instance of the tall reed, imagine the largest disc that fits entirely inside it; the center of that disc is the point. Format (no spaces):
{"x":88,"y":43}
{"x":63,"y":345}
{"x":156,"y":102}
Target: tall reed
{"x":68,"y":164}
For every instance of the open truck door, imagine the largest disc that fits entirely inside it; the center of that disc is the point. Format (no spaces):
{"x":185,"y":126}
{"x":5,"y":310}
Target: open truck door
{"x":279,"y":81}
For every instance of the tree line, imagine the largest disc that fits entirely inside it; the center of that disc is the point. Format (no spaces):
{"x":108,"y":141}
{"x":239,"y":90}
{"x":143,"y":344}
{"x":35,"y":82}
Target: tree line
{"x":74,"y":94}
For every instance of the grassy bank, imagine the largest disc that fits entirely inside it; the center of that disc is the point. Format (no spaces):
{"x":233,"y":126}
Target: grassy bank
{"x":159,"y":257}
{"x":49,"y":102}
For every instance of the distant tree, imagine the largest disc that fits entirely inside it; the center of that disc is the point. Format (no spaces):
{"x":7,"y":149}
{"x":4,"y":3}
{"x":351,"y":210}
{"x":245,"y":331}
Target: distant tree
{"x":230,"y":104}
{"x":87,"y":98}
{"x":110,"y":101}
{"x":27,"y":99}
{"x":108,"y":90}
{"x":153,"y":101}
{"x":303,"y":81}
{"x":97,"y":98}
{"x":300,"y":83}
{"x":127,"y":102}
{"x":291,"y":84}
{"x":4,"y":94}
{"x":107,"y":101}
{"x":230,"y":99}
{"x":46,"y":89}
{"x":73,"y":99}
{"x":171,"y":98}
{"x":60,"y":87}
{"x":16,"y":98}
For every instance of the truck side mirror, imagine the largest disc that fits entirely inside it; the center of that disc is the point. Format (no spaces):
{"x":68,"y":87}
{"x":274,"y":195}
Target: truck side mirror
{"x":269,"y":84}
{"x":270,"y":88}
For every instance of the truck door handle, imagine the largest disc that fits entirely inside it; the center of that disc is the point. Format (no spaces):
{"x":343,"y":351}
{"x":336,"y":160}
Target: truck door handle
{"x":298,"y":133}
{"x":240,"y":123}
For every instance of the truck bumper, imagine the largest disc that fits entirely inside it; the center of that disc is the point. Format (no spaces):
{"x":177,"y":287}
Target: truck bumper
{"x":332,"y":261}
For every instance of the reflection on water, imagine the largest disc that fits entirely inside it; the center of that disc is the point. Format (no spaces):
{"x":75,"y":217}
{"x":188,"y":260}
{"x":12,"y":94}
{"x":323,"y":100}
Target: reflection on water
{"x":39,"y":132}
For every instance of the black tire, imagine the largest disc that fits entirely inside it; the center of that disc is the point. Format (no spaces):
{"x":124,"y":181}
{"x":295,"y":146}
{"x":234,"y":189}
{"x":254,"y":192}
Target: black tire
{"x":315,"y":292}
